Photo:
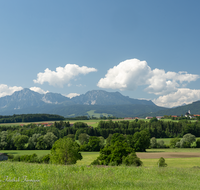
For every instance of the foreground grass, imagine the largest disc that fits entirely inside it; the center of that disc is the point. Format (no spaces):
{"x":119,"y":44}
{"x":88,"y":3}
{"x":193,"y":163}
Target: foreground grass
{"x":84,"y":177}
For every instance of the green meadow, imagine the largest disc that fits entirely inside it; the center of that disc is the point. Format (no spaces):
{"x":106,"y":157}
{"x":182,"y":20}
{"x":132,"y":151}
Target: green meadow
{"x":46,"y":176}
{"x":181,"y":173}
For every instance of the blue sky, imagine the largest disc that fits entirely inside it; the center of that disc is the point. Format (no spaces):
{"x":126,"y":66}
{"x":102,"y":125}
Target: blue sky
{"x":143,"y":49}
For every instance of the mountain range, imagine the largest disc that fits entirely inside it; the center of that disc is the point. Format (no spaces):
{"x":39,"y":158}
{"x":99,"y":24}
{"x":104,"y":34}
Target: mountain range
{"x":27,"y":101}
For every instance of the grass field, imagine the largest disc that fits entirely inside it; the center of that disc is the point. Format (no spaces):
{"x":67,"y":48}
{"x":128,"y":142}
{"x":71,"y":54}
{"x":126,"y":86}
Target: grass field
{"x":98,"y":115}
{"x":181,"y":173}
{"x":92,"y":123}
{"x":42,"y":176}
{"x":88,"y":157}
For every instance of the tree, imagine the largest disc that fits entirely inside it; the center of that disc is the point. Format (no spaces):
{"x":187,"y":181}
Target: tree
{"x":65,"y":151}
{"x":187,"y":140}
{"x":117,"y":137}
{"x":49,"y":140}
{"x":40,"y":143}
{"x":20,"y":141}
{"x":108,"y":140}
{"x":153,"y":142}
{"x":116,"y":154}
{"x":161,"y":144}
{"x":83,"y":138}
{"x":72,"y":136}
{"x":102,"y":142}
{"x":3,"y":138}
{"x":94,"y":143}
{"x":198,"y":143}
{"x":32,"y":142}
{"x":173,"y":142}
{"x":154,"y":119}
{"x":141,"y":141}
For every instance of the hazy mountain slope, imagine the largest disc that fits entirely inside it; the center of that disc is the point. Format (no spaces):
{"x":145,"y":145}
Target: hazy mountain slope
{"x":20,"y":100}
{"x":101,"y":97}
{"x":113,"y":103}
{"x":181,"y":110}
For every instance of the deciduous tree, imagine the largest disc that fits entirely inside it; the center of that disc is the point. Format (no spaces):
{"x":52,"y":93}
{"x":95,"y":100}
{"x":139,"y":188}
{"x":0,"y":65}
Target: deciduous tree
{"x":65,"y":151}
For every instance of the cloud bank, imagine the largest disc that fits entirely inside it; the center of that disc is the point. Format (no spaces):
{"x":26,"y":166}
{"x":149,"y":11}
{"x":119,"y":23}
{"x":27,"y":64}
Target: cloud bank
{"x":5,"y":90}
{"x":129,"y":74}
{"x":62,"y":75}
{"x":181,"y":96}
{"x":170,"y":86}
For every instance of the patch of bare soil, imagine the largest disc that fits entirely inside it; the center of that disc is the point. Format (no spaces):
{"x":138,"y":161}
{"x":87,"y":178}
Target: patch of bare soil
{"x":146,"y":155}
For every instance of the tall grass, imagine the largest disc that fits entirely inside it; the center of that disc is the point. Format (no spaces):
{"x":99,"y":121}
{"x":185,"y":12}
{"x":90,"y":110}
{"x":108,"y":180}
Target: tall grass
{"x":84,"y":177}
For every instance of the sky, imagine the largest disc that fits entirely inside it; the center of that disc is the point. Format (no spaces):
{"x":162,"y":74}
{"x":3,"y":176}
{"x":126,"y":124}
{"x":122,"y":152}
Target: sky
{"x":142,"y":49}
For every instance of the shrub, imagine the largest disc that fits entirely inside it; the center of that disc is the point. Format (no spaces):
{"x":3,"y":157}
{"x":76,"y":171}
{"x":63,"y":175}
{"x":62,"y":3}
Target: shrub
{"x":198,"y":143}
{"x":45,"y":159}
{"x":131,"y":160}
{"x":173,"y":142}
{"x":10,"y":156}
{"x":95,"y":162}
{"x":153,"y":142}
{"x":161,"y":162}
{"x":187,"y":140}
{"x":161,"y":144}
{"x":16,"y":158}
{"x":117,"y":154}
{"x":178,"y":145}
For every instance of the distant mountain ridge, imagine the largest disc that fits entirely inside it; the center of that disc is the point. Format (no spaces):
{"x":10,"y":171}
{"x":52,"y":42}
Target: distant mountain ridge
{"x":180,"y":110}
{"x":101,"y":97}
{"x":28,"y":101}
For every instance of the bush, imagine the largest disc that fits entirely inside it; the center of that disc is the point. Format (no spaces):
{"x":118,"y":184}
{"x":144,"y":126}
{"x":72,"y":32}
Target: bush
{"x":10,"y":156}
{"x":198,"y":143}
{"x":153,"y":142}
{"x":16,"y":158}
{"x":117,"y":154}
{"x":95,"y":162}
{"x":45,"y":159}
{"x":173,"y":142}
{"x":161,"y":144}
{"x":187,"y":140}
{"x":131,"y":160}
{"x":161,"y":162}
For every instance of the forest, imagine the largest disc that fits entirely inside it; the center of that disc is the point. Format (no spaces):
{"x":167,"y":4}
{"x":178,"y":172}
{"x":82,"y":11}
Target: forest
{"x":33,"y":137}
{"x":30,"y":118}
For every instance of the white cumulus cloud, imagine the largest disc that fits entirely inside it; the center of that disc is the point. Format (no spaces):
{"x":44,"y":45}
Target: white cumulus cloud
{"x":71,"y":95}
{"x":39,"y":90}
{"x":129,"y":74}
{"x":62,"y":75}
{"x":162,"y":83}
{"x":6,"y":90}
{"x":181,"y":96}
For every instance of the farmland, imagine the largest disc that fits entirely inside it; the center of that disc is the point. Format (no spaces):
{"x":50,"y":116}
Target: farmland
{"x":179,"y":157}
{"x":182,"y":171}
